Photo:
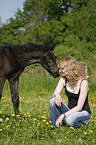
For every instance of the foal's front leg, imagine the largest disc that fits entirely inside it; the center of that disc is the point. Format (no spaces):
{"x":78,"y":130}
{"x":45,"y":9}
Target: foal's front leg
{"x":15,"y":94}
{"x":2,"y":81}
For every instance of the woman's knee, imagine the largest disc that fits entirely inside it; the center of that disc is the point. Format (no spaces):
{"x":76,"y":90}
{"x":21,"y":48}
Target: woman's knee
{"x":69,"y":121}
{"x":73,"y":120}
{"x":52,"y":102}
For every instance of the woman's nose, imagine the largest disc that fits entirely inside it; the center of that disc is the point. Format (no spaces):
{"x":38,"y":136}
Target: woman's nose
{"x":60,"y":70}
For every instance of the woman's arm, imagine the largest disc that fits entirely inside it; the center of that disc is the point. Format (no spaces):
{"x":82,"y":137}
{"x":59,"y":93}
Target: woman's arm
{"x":81,"y":101}
{"x":57,"y":92}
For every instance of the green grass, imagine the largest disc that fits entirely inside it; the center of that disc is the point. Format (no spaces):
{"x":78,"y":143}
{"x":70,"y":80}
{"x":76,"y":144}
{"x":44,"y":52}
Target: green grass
{"x":31,"y":127}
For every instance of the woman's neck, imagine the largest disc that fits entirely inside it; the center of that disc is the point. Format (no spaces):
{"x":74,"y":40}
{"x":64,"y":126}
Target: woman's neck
{"x":74,"y":88}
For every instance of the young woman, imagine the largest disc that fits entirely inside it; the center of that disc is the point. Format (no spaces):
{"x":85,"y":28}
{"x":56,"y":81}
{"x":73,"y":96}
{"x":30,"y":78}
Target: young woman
{"x":76,"y":88}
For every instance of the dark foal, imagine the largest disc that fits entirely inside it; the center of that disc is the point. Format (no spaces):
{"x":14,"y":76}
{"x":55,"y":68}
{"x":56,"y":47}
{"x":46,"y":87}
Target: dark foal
{"x":13,"y":60}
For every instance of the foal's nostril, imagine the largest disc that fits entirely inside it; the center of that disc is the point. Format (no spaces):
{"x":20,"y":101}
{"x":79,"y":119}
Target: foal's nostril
{"x":55,"y":75}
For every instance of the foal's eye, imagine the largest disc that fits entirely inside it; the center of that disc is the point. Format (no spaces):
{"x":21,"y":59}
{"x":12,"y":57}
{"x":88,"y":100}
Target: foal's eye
{"x":47,"y":57}
{"x":49,"y":60}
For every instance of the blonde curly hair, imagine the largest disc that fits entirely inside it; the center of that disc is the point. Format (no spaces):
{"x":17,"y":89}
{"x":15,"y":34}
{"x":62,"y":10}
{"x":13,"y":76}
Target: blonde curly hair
{"x":71,"y":69}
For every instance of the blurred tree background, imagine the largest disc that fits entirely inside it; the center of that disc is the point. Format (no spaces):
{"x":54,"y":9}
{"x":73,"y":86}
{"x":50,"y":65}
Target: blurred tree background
{"x":71,"y":24}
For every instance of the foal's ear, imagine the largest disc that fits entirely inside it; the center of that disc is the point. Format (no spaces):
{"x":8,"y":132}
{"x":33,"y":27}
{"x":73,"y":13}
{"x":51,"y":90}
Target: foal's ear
{"x":51,"y":47}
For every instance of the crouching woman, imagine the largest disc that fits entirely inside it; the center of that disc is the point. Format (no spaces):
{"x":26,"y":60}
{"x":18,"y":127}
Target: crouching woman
{"x":76,"y":89}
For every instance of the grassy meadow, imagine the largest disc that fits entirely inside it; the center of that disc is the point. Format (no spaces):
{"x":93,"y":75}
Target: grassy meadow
{"x":32,"y":127}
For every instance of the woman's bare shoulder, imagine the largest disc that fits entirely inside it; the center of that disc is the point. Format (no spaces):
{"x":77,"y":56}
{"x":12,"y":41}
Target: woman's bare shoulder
{"x":62,"y":80}
{"x":84,"y":83}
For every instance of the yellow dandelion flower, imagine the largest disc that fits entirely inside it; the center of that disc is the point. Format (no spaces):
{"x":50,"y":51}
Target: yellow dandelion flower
{"x":13,"y":115}
{"x":19,"y":134}
{"x":71,"y":127}
{"x":0,"y":111}
{"x":44,"y":111}
{"x":18,"y":115}
{"x":44,"y":120}
{"x":86,"y":123}
{"x":35,"y":119}
{"x":30,"y":127}
{"x":19,"y":120}
{"x":51,"y":126}
{"x":94,"y":120}
{"x":16,"y":124}
{"x":7,"y":126}
{"x":50,"y":121}
{"x":27,"y":113}
{"x":90,"y":131}
{"x":10,"y":106}
{"x":1,"y":129}
{"x":7,"y":118}
{"x":47,"y":123}
{"x":85,"y":133}
{"x":94,"y":105}
{"x":42,"y":116}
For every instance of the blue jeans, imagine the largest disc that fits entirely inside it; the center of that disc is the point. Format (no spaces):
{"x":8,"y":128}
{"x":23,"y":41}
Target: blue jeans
{"x":75,"y":119}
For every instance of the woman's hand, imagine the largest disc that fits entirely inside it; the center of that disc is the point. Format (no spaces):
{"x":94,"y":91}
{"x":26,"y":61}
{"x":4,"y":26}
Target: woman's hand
{"x":59,"y":120}
{"x":58,"y":100}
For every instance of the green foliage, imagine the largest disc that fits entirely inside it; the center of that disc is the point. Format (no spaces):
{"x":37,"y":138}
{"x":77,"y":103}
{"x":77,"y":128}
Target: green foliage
{"x":84,"y":33}
{"x":69,"y":23}
{"x":62,"y":51}
{"x":80,"y":39}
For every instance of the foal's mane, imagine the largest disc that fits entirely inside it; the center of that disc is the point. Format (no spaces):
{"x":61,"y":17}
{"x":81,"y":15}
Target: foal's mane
{"x":28,"y":47}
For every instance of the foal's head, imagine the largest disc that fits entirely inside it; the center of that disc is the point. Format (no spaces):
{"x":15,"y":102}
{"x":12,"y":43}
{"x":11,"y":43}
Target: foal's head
{"x":48,"y":61}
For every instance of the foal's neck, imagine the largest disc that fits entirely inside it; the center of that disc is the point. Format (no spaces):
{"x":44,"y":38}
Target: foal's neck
{"x":27,"y":54}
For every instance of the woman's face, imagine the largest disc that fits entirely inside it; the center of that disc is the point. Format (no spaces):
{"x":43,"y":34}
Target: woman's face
{"x":61,"y":70}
